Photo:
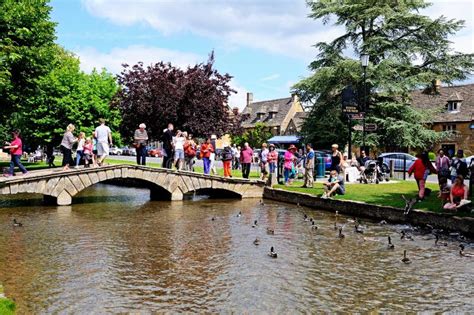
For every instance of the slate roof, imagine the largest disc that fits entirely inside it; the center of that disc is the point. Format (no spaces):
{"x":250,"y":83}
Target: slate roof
{"x":280,"y":108}
{"x":426,"y":100}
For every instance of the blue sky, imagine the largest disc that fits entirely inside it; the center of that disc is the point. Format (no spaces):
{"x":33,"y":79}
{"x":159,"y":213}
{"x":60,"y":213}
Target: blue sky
{"x":266,"y":45}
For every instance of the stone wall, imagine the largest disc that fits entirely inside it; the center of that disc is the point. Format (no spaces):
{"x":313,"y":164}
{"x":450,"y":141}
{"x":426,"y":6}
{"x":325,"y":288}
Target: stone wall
{"x":446,"y":222}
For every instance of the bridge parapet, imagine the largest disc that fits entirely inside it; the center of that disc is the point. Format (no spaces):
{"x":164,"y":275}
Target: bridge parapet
{"x":61,"y":186}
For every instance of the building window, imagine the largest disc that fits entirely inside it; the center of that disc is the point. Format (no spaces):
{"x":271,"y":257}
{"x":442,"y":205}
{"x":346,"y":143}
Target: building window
{"x":449,"y":127}
{"x":453,"y":106}
{"x":270,"y":115}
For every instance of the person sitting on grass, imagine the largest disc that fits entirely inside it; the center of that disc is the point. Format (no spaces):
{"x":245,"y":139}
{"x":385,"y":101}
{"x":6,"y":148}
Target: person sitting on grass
{"x":335,"y":185}
{"x":444,"y":190}
{"x":458,"y":195}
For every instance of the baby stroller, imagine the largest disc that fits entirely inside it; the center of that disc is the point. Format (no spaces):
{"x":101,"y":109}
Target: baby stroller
{"x":374,"y":172}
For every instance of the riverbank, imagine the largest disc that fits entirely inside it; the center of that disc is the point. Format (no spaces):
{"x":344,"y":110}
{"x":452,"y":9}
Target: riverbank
{"x":7,"y":307}
{"x":447,"y":222}
{"x":385,"y":194}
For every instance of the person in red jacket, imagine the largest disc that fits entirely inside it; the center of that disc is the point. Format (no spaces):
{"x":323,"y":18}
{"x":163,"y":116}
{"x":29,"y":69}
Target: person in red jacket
{"x":206,"y":150}
{"x":421,"y":169}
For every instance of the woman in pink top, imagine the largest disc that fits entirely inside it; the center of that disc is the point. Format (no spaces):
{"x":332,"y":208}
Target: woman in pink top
{"x":246,"y":156}
{"x":289,"y":157}
{"x":16,"y":151}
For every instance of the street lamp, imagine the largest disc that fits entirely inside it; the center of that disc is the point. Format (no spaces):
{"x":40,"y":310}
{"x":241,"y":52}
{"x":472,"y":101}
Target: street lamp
{"x":364,"y":61}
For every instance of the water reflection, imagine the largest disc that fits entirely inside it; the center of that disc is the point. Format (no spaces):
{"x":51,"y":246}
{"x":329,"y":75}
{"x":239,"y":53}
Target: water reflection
{"x":118,"y":252}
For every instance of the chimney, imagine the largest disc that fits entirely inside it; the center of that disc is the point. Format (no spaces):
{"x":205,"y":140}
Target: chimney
{"x":249,"y":98}
{"x":437,"y":85}
{"x":235,"y":111}
{"x":294,"y":97}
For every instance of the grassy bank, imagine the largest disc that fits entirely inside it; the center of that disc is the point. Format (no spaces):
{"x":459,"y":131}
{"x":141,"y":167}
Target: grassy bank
{"x":389,"y":194}
{"x":7,"y":306}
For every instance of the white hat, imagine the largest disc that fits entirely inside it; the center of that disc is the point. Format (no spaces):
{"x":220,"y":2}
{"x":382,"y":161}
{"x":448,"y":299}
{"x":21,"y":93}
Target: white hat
{"x":142,"y":125}
{"x":213,"y":137}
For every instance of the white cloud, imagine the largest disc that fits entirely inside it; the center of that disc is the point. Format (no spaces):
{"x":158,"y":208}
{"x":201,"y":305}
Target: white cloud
{"x":92,"y":58}
{"x":270,"y":77}
{"x":277,"y":26}
{"x":113,"y":60}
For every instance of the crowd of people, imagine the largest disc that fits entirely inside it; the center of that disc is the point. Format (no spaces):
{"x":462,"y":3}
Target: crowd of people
{"x":180,"y":151}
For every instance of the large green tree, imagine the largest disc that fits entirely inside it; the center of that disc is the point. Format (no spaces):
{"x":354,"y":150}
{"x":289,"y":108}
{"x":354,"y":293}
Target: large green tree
{"x":407,"y":51}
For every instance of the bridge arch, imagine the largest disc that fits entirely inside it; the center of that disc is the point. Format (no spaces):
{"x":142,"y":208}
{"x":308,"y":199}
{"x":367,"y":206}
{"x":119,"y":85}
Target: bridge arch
{"x":60,"y":187}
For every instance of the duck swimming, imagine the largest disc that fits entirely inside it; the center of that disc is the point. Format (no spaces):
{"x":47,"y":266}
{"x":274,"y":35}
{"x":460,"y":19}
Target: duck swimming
{"x":464,"y":254}
{"x":305,"y":217}
{"x":438,"y":243}
{"x":272,"y":253}
{"x":358,"y":229}
{"x":390,"y":244}
{"x":270,"y":231}
{"x":340,"y":233}
{"x":239,"y":214}
{"x":405,"y":259}
{"x":256,"y":242}
{"x":254,"y":224}
{"x":406,"y":236}
{"x":16,"y":223}
{"x":314,"y":226}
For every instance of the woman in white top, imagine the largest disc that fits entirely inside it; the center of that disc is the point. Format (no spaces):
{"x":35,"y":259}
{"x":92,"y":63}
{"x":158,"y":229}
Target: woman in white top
{"x":178,"y":143}
{"x":80,"y":148}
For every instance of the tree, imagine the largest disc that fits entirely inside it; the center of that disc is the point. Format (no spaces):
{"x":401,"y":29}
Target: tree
{"x":255,"y":136}
{"x":407,"y":51}
{"x":68,"y":95}
{"x":26,"y":51}
{"x":193,"y":99}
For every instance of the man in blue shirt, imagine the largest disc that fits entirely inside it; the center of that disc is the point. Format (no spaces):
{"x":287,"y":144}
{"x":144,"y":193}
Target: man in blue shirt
{"x":309,"y":167}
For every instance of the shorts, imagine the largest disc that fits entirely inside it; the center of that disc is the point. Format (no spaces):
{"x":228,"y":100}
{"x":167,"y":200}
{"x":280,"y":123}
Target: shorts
{"x":179,"y":154}
{"x":102,"y":149}
{"x":263,"y":168}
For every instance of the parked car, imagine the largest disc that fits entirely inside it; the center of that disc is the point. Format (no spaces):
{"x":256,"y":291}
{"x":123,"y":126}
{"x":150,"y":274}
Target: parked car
{"x":129,"y":151}
{"x":398,"y":159}
{"x":155,"y":152}
{"x":115,"y":151}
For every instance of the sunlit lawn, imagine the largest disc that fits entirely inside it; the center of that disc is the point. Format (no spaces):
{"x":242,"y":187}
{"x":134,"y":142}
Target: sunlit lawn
{"x":386,"y":194}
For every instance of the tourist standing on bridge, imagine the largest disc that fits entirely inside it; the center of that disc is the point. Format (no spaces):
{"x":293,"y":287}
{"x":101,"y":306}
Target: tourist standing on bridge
{"x":66,"y":146}
{"x":167,"y":139}
{"x":212,"y":158}
{"x":80,"y":148}
{"x":140,"y":138}
{"x":178,"y":144}
{"x":189,"y":153}
{"x":246,"y":156}
{"x":227,"y":160}
{"x":236,"y":155}
{"x":16,"y":150}
{"x":206,"y":150}
{"x":104,"y":141}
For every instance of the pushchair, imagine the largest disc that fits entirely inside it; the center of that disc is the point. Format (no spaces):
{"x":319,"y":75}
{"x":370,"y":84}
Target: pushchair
{"x":374,"y":172}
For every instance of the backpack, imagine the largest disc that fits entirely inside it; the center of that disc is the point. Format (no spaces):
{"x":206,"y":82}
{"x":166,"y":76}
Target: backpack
{"x":226,"y":155}
{"x":189,"y":150}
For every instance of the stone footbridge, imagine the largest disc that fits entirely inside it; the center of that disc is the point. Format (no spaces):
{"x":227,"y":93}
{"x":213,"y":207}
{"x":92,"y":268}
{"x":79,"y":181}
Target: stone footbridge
{"x":60,"y":186}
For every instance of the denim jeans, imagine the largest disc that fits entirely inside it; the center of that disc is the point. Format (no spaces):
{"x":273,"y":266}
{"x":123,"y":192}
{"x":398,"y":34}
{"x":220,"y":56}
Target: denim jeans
{"x":287,"y":173}
{"x":79,"y":156}
{"x":16,"y":161}
{"x":207,"y":165}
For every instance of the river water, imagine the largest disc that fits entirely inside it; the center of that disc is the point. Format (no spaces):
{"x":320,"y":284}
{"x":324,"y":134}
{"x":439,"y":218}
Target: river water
{"x":114,"y":251}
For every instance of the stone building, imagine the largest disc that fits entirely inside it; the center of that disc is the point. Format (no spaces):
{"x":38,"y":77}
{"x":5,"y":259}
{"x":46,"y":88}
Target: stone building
{"x":280,"y":116}
{"x":452,"y":108}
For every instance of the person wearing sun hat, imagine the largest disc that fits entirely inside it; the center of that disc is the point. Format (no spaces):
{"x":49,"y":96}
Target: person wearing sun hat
{"x":289,"y":159}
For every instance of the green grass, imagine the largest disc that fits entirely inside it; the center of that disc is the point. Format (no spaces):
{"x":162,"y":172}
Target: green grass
{"x":30,"y":166}
{"x":383,"y":194}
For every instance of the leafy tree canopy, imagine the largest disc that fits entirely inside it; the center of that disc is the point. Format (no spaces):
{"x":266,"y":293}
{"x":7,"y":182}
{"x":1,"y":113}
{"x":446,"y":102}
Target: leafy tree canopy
{"x":255,"y":136}
{"x":407,"y":51}
{"x":194,"y":99}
